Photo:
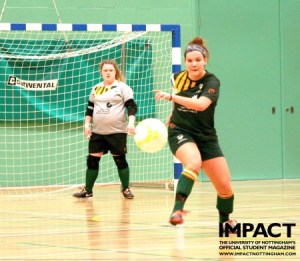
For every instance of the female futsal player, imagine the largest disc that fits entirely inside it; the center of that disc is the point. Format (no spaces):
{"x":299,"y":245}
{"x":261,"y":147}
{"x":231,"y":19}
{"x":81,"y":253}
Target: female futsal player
{"x":192,"y":134}
{"x":106,"y":113}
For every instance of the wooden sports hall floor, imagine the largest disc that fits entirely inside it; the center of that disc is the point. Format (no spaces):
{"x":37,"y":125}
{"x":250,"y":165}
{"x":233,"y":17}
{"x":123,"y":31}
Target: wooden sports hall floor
{"x":108,"y":227}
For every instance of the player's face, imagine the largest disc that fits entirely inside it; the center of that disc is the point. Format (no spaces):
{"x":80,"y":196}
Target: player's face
{"x":108,"y":73}
{"x":195,"y":64}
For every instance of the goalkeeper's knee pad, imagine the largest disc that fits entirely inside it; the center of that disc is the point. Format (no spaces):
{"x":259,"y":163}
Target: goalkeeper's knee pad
{"x":92,"y":162}
{"x":121,"y":162}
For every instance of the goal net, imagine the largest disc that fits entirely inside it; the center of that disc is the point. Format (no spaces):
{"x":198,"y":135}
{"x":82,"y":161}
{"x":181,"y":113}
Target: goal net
{"x":46,"y":74}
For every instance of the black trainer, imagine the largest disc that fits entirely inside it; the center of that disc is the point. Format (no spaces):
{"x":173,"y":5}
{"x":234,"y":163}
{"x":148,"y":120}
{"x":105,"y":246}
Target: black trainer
{"x":127,"y":194}
{"x":83,"y":194}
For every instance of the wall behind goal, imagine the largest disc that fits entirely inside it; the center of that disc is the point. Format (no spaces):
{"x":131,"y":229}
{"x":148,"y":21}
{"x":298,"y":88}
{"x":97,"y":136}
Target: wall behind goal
{"x":254,"y":51}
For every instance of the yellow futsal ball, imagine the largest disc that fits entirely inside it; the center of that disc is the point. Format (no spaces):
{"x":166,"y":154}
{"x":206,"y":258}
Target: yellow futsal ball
{"x":151,"y":135}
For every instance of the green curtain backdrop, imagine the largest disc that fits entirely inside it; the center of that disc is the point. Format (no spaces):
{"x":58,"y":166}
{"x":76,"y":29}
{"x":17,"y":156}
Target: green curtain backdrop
{"x":76,"y":75}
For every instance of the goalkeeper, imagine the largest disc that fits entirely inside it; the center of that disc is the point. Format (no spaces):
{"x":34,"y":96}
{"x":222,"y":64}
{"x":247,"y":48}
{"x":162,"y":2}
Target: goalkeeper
{"x":105,"y":126}
{"x":192,"y":135}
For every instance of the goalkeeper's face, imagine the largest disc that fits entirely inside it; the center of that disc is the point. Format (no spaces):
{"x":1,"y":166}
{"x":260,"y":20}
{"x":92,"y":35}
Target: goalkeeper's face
{"x":108,"y":73}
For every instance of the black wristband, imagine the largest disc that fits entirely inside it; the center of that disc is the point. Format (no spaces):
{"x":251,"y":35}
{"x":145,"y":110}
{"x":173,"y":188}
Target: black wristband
{"x":171,"y":97}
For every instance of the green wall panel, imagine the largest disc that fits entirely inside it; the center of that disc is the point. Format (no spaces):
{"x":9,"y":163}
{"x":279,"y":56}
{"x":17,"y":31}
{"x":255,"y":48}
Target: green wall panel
{"x":290,"y":42}
{"x":244,"y":42}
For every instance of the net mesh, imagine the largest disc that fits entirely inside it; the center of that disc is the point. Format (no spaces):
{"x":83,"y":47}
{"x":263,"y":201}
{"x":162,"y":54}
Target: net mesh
{"x":46,"y":78}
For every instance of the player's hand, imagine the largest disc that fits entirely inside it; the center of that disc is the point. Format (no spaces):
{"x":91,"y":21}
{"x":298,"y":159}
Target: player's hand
{"x":160,"y":95}
{"x":130,"y":129}
{"x":87,"y":133}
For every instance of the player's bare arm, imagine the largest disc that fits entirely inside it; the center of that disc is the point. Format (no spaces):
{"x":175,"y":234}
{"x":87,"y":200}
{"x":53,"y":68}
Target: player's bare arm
{"x":199,"y":104}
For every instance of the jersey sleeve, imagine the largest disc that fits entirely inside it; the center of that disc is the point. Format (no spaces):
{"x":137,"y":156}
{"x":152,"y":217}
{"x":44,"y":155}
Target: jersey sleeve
{"x":91,"y":97}
{"x":211,"y":89}
{"x":127,"y":92}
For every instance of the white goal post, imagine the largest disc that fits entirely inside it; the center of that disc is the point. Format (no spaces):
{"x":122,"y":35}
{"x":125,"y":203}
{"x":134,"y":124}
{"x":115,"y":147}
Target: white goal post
{"x":46,"y":74}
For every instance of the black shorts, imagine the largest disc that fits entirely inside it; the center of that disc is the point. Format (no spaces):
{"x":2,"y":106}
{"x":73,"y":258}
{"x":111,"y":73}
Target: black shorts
{"x":115,"y":143}
{"x":208,"y":149}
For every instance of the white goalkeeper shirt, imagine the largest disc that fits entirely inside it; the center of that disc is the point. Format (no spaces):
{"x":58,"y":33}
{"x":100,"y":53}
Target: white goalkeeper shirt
{"x":109,"y":114}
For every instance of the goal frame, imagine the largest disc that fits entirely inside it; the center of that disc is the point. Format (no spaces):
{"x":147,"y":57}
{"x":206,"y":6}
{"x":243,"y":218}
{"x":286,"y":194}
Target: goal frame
{"x":173,"y":28}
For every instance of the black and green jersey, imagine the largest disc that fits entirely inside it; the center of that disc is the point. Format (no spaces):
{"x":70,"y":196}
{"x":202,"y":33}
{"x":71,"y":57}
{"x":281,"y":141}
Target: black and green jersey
{"x":200,"y":123}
